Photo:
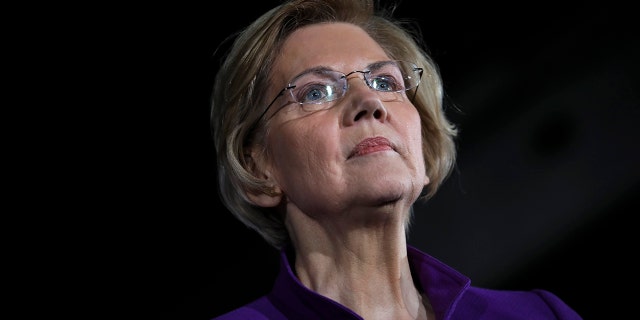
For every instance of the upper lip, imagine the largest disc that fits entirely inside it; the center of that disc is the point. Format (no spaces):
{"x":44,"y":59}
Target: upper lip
{"x":370,"y":142}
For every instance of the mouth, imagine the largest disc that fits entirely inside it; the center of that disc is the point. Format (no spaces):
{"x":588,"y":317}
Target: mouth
{"x":371,"y":145}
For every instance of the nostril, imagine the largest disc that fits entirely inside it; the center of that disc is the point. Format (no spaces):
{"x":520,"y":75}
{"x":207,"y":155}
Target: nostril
{"x":374,"y":114}
{"x":359,"y":115}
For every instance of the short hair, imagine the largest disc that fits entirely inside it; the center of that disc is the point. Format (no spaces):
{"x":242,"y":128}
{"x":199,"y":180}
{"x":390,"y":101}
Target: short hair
{"x":238,"y":98}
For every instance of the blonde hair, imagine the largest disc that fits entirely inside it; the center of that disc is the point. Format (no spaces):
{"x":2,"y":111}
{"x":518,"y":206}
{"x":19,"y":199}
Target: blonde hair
{"x":238,"y":100}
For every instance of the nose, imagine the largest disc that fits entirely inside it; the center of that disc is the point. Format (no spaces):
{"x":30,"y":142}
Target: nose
{"x":362,"y":103}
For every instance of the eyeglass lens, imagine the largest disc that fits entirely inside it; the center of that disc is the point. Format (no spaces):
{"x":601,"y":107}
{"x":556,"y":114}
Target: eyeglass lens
{"x":388,"y":78}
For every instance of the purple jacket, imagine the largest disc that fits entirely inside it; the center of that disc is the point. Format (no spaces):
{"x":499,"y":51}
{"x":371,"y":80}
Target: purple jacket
{"x":450,"y":293}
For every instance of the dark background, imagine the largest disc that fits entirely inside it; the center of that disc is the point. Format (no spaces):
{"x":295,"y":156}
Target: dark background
{"x":543,"y":194}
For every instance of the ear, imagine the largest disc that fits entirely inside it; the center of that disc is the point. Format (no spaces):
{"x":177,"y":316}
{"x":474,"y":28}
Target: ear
{"x":270,"y":198}
{"x":271,"y":194}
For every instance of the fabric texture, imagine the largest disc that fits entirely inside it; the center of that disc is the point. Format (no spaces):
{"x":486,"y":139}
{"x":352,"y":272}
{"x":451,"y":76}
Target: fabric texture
{"x":450,"y":293}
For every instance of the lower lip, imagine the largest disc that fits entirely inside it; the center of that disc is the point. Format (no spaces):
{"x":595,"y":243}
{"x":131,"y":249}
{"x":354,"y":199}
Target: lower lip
{"x":368,"y":150}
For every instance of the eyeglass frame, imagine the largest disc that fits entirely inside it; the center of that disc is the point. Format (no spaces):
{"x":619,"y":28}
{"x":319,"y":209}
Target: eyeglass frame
{"x":417,"y":69}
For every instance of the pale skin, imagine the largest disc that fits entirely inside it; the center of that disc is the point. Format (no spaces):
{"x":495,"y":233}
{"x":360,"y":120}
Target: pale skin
{"x":345,"y":213}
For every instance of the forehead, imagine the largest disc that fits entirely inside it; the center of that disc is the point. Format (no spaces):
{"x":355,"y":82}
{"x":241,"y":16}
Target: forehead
{"x":340,"y":46}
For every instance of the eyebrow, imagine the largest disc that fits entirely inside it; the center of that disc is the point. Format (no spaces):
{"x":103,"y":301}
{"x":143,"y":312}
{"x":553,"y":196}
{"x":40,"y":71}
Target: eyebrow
{"x":318,"y":69}
{"x":326,"y":68}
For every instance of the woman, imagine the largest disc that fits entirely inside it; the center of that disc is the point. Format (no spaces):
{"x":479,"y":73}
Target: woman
{"x":328,"y":124}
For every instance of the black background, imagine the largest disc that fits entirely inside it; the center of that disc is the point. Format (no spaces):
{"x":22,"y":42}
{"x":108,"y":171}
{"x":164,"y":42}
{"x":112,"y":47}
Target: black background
{"x":543,"y":195}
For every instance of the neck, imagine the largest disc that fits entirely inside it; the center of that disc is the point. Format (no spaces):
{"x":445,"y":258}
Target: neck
{"x":369,"y":273}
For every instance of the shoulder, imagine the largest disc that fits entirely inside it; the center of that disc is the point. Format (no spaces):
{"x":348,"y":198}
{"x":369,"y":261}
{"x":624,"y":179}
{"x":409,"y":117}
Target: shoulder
{"x":242,"y":313}
{"x":260,"y":309}
{"x":481,"y":303}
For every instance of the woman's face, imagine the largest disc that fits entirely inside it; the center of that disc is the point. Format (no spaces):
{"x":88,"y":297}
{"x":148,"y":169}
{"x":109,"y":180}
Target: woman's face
{"x":362,"y":152}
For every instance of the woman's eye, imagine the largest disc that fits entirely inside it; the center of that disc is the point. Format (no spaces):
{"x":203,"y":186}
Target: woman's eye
{"x":315,"y":93}
{"x":385,"y":83}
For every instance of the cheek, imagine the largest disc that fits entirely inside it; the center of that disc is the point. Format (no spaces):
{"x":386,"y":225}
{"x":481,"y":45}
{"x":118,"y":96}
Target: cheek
{"x":413,"y":134}
{"x":299,"y":147}
{"x":412,"y":129}
{"x":288,"y":141}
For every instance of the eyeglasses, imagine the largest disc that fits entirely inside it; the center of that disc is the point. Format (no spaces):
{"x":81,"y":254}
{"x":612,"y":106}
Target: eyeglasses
{"x":314,"y":88}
